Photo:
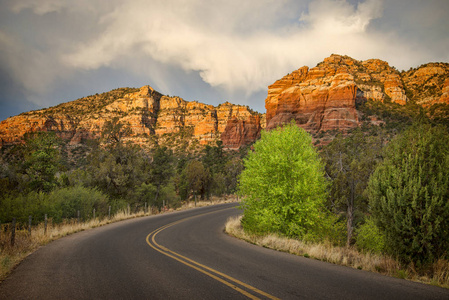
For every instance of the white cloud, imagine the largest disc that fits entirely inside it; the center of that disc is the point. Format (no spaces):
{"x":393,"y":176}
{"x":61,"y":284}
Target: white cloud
{"x":340,"y":18}
{"x":209,"y":37}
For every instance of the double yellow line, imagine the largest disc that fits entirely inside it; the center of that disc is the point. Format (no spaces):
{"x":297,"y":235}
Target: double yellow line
{"x":233,"y":283}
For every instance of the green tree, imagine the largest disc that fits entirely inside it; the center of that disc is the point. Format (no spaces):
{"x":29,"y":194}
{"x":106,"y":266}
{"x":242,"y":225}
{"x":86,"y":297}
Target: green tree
{"x":117,"y":171}
{"x":214,"y":158}
{"x":161,"y":169}
{"x":114,"y":131}
{"x":218,"y":184}
{"x":409,"y":194}
{"x":283,"y":184}
{"x":349,"y":162}
{"x":196,"y":178}
{"x":369,"y":237}
{"x":41,"y":160}
{"x":232,"y":170}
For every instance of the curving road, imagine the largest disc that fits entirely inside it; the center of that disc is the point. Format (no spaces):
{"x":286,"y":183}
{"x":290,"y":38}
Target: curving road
{"x":186,"y":255}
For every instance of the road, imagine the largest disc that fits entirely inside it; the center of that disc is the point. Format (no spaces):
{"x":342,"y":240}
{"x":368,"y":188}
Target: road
{"x":186,"y":255}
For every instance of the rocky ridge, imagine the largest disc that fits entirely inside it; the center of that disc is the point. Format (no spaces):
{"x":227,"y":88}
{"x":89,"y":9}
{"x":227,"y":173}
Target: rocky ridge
{"x":150,"y":116}
{"x":324,"y":97}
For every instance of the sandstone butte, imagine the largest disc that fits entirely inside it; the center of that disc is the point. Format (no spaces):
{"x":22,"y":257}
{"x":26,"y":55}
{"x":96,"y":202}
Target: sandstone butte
{"x":324,"y":97}
{"x":318,"y":99}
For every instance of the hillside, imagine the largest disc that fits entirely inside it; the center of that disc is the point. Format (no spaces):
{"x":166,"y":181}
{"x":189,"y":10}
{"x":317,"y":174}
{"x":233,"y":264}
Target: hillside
{"x":320,"y":99}
{"x":150,"y":115}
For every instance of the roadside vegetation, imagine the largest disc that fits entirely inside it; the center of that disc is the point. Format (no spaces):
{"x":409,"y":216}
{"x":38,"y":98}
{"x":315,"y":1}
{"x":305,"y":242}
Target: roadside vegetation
{"x":28,"y":241}
{"x":375,"y":198}
{"x":46,"y":179}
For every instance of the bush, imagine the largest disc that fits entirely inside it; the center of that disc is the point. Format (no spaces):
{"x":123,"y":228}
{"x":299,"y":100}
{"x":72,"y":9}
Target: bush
{"x":21,"y":206}
{"x":369,"y":237}
{"x":67,"y":201}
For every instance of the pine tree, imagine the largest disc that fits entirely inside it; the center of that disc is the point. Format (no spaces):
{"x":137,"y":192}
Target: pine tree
{"x":409,"y":195}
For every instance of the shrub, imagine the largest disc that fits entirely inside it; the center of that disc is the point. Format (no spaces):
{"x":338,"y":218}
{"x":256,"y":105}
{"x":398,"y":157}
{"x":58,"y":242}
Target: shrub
{"x":369,"y":237}
{"x":67,"y":201}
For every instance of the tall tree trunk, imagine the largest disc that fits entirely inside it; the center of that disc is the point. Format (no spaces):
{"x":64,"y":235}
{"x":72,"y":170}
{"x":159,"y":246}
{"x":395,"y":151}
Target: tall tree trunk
{"x":157,"y":194}
{"x":350,"y":216}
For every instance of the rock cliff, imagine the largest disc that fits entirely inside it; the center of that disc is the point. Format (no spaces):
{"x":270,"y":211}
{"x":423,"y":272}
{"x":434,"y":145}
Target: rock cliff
{"x":148,"y":113}
{"x":428,"y":84}
{"x":324,"y":97}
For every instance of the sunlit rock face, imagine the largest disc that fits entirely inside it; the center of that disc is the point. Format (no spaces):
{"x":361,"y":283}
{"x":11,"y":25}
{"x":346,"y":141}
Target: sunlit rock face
{"x":146,"y":111}
{"x":324,"y":97}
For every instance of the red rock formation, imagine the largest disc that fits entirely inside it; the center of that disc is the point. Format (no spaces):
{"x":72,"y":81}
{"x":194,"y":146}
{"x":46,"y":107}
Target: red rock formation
{"x":241,"y":132}
{"x":147,"y":112}
{"x":317,"y":99}
{"x":428,"y":84}
{"x":323,"y":98}
{"x":445,"y":93}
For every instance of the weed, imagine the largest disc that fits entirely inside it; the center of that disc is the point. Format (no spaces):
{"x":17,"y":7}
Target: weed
{"x":402,"y":274}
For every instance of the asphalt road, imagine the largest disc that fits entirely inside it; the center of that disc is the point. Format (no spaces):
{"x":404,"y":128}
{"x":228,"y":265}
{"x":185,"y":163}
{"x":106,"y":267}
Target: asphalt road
{"x":186,"y":255}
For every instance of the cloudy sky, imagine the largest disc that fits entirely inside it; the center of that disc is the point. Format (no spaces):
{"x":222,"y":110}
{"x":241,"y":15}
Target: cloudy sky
{"x":54,"y":51}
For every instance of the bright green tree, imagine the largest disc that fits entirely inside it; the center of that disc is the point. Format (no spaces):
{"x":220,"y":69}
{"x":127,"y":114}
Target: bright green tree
{"x":283,"y":184}
{"x":409,"y":194}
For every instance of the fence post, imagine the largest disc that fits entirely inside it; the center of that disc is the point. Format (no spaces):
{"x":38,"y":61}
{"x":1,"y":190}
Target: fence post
{"x":94,"y":213}
{"x":145,"y":211}
{"x":13,"y":232}
{"x":45,"y":224}
{"x":109,"y":212}
{"x":29,"y":225}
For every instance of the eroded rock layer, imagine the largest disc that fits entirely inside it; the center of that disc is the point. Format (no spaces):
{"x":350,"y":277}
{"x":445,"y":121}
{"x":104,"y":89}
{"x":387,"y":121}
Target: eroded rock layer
{"x":324,"y":97}
{"x":146,"y":111}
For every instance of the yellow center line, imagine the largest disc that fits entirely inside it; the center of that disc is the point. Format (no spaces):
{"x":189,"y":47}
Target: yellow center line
{"x":200,"y":267}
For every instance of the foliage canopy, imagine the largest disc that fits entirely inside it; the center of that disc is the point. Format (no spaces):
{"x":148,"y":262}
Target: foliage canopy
{"x":283,"y":183}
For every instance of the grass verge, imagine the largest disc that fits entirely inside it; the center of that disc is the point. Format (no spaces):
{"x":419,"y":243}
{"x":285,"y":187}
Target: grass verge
{"x":438,"y":274}
{"x":25,"y":244}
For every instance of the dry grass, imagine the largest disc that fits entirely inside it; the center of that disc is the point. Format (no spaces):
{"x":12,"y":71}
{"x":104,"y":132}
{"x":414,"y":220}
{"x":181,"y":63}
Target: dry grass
{"x":25,"y":244}
{"x":213,"y":200}
{"x":438,"y":275}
